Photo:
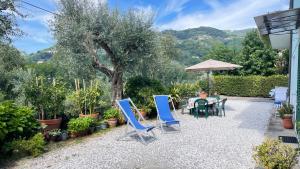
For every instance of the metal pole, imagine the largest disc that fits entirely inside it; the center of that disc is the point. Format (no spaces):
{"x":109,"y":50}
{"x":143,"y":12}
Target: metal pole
{"x":208,"y":83}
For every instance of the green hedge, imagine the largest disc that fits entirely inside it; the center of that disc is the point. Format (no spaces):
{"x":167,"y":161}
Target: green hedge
{"x":248,"y":86}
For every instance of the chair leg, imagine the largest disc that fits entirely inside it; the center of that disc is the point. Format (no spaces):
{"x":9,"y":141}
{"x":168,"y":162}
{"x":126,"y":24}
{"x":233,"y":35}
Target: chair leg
{"x":141,"y":137}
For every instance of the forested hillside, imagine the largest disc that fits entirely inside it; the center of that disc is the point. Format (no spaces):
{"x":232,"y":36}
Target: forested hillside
{"x":196,"y":43}
{"x":191,"y":43}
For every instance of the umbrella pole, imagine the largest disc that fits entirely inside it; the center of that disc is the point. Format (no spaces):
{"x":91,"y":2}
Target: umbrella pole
{"x":208,"y":83}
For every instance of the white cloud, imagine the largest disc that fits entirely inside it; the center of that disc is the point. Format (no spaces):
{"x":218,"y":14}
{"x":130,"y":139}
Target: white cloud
{"x":37,"y":35}
{"x":175,"y":5}
{"x":237,"y":15}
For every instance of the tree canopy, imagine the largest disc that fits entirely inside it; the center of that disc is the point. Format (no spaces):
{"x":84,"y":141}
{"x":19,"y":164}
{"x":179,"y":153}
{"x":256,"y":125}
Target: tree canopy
{"x":255,"y":57}
{"x":86,"y":28}
{"x":8,"y":25}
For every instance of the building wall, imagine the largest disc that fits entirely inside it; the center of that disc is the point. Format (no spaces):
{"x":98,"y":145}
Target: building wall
{"x":295,"y":64}
{"x":294,"y":68}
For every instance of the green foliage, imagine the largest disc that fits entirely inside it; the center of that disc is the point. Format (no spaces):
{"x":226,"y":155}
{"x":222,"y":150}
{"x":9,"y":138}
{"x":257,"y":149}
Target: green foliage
{"x":45,"y":69}
{"x":286,"y":109}
{"x":220,"y":52}
{"x":273,"y":154}
{"x":8,"y":14}
{"x":34,"y":146}
{"x":141,"y":90}
{"x":74,"y":103}
{"x":11,"y":60}
{"x":252,"y":86}
{"x":92,"y":95}
{"x":282,"y":62}
{"x":80,"y":124}
{"x":55,"y":132}
{"x":46,"y":96}
{"x":16,"y":122}
{"x":193,"y":44}
{"x":125,"y":37}
{"x":41,"y":55}
{"x":111,"y":113}
{"x":255,"y":57}
{"x":191,"y":33}
{"x":180,"y":90}
{"x":95,"y":95}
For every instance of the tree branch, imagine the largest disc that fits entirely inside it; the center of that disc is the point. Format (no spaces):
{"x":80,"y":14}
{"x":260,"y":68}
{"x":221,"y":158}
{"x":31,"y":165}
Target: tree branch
{"x":96,"y":63}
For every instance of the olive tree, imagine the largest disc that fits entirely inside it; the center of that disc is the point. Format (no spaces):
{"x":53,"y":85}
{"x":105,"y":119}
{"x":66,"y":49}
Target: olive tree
{"x":87,"y":28}
{"x":8,"y":25}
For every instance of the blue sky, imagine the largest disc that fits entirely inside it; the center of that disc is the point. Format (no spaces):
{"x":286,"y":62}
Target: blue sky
{"x":169,"y":14}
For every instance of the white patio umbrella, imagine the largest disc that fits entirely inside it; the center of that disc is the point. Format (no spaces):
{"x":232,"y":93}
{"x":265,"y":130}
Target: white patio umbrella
{"x":211,"y":65}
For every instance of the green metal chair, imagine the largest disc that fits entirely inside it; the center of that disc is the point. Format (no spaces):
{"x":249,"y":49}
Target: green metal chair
{"x":221,"y":107}
{"x":200,"y":106}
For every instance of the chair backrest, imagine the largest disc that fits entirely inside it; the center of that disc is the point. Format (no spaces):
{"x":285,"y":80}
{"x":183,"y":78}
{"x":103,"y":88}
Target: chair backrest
{"x":223,"y":103}
{"x":201,"y":104}
{"x":128,"y":113}
{"x":163,"y":109}
{"x":281,"y":94}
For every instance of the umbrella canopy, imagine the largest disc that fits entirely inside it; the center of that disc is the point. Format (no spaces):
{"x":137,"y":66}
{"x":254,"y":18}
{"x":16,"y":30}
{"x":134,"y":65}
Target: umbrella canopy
{"x":210,"y":65}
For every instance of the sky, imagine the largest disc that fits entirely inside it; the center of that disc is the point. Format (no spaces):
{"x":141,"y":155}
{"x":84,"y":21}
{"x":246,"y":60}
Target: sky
{"x":169,"y":14}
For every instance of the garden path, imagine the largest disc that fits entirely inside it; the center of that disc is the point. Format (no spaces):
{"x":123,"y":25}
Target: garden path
{"x":213,"y":143}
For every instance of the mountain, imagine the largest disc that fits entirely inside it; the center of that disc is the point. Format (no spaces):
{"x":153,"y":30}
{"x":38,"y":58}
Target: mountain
{"x":196,"y":42}
{"x":193,"y":43}
{"x":41,"y":55}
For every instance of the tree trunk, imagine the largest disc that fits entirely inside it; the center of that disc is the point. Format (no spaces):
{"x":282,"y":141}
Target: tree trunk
{"x":117,"y":86}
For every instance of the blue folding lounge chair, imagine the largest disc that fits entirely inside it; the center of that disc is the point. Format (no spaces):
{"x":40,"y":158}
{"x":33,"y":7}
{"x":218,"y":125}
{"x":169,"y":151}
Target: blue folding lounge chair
{"x":132,"y":121}
{"x":164,"y":114}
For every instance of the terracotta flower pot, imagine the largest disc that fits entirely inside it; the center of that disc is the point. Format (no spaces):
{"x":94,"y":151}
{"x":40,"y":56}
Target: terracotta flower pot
{"x":112,"y":122}
{"x":143,"y":113}
{"x":93,"y":115}
{"x":51,"y":124}
{"x":203,"y":95}
{"x":287,"y":122}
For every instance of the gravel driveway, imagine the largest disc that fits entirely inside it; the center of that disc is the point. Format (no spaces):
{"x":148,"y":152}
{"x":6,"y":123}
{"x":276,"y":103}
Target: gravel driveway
{"x":213,"y":143}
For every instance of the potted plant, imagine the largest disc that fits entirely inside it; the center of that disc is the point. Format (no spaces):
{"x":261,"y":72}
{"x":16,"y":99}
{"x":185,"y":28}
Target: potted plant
{"x":79,"y":126}
{"x":111,"y":115}
{"x":92,"y":127}
{"x":103,"y":124}
{"x":54,"y":135}
{"x":286,"y":113}
{"x":175,"y":94}
{"x":64,"y":135}
{"x":121,"y":119}
{"x":144,"y":111}
{"x":203,"y":95}
{"x":47,"y":98}
{"x":89,"y":98}
{"x":274,"y":154}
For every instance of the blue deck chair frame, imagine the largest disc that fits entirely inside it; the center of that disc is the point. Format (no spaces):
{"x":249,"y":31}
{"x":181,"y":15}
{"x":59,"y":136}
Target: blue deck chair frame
{"x":164,"y":113}
{"x":138,"y":128}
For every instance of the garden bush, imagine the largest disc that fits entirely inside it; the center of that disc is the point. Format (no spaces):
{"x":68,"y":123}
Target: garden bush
{"x":16,"y":122}
{"x":181,"y":90}
{"x":274,"y":154}
{"x":80,"y":124}
{"x":248,"y":86}
{"x":111,"y":113}
{"x":47,"y":96}
{"x":33,"y":146}
{"x":141,"y":90}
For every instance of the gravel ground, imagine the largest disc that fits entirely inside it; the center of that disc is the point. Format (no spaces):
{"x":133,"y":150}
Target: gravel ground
{"x":213,"y":143}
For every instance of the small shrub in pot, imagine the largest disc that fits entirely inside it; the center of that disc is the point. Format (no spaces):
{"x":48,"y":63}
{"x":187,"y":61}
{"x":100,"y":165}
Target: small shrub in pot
{"x":272,"y":154}
{"x":55,"y":134}
{"x":286,"y":113}
{"x":79,"y":126}
{"x":111,"y":115}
